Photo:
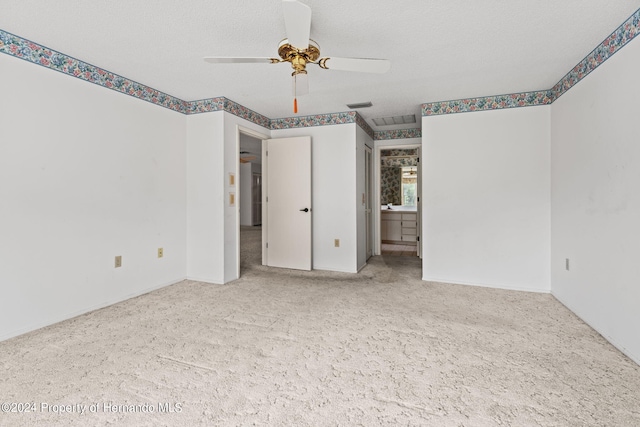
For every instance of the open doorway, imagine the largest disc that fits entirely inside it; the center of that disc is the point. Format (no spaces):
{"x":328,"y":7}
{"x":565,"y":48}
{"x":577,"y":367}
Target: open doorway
{"x":398,"y":195}
{"x":249,"y":198}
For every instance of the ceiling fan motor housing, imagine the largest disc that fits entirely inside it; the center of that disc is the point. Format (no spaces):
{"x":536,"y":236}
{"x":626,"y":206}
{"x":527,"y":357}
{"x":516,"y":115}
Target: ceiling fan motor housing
{"x":299,"y":58}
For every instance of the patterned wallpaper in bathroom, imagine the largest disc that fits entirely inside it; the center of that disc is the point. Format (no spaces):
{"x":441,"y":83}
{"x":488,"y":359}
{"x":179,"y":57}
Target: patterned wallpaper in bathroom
{"x":390,"y":190}
{"x":391,"y":173}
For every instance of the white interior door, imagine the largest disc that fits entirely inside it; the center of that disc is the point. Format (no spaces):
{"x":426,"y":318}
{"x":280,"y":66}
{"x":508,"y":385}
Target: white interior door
{"x":288,"y":200}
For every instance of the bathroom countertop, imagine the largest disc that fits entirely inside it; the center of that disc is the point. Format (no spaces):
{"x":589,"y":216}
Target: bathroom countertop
{"x":399,"y":209}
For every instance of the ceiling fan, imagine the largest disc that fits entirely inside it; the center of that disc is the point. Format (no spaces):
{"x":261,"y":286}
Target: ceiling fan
{"x":299,"y":50}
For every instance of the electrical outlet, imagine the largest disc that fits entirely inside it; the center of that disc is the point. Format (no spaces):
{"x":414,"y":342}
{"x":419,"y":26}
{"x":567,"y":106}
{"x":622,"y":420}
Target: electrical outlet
{"x":118,"y":261}
{"x":160,"y":252}
{"x":336,"y":243}
{"x":566,"y":264}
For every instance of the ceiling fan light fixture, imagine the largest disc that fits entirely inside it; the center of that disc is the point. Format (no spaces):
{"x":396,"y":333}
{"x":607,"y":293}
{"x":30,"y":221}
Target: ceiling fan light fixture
{"x":289,"y":53}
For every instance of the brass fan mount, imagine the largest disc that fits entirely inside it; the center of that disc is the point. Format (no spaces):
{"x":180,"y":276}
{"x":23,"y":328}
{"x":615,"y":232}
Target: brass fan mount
{"x":299,"y":58}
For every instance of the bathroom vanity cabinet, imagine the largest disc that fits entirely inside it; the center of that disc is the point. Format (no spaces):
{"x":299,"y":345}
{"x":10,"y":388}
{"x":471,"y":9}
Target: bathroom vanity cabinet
{"x":398,"y":227}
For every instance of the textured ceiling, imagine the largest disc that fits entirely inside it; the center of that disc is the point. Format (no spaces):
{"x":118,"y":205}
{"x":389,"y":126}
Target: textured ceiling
{"x":440,"y":50}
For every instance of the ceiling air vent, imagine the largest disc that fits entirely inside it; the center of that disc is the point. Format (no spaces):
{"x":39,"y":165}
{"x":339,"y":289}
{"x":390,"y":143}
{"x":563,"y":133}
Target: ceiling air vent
{"x":396,"y":120}
{"x":360,"y":105}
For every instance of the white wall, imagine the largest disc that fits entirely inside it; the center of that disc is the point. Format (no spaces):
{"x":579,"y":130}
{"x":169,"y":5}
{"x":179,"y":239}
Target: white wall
{"x":212,"y":228}
{"x":486,"y":198}
{"x":333,"y":163}
{"x":595,"y":199}
{"x":205,"y":197}
{"x":85,"y":174}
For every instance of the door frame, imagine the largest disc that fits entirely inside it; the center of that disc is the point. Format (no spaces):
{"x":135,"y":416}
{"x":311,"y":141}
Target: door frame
{"x":369,"y":202}
{"x":391,"y":145}
{"x":261,"y":137}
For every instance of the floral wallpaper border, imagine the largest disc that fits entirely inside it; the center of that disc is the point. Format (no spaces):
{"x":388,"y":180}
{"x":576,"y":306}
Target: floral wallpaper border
{"x":360,"y":121}
{"x":323,"y":120}
{"x":314,"y":120}
{"x":246,"y":113}
{"x":398,"y":134}
{"x":35,"y":53}
{"x":49,"y":58}
{"x":612,"y":44}
{"x":616,"y":41}
{"x":205,"y":105}
{"x":525,"y":99}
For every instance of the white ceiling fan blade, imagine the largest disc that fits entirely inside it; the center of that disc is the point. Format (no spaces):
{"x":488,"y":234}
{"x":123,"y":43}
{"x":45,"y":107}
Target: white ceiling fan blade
{"x":297,"y":21}
{"x":364,"y":65}
{"x":240,"y":60}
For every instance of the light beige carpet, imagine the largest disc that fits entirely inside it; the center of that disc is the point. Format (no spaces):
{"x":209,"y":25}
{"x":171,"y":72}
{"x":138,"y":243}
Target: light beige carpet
{"x":287,"y":348}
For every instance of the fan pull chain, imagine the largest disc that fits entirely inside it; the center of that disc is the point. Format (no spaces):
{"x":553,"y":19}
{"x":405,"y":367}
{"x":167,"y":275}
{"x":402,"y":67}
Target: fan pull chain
{"x":295,"y":95}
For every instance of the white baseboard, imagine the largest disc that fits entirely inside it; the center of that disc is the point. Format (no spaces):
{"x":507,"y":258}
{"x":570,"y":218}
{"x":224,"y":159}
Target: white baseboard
{"x":612,"y":341}
{"x":485,"y":285}
{"x":85,"y":310}
{"x":334,"y":269}
{"x":203,"y":280}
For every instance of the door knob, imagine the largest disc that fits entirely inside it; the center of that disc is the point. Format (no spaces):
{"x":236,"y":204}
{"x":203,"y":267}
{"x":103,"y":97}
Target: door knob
{"x":304,"y":210}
